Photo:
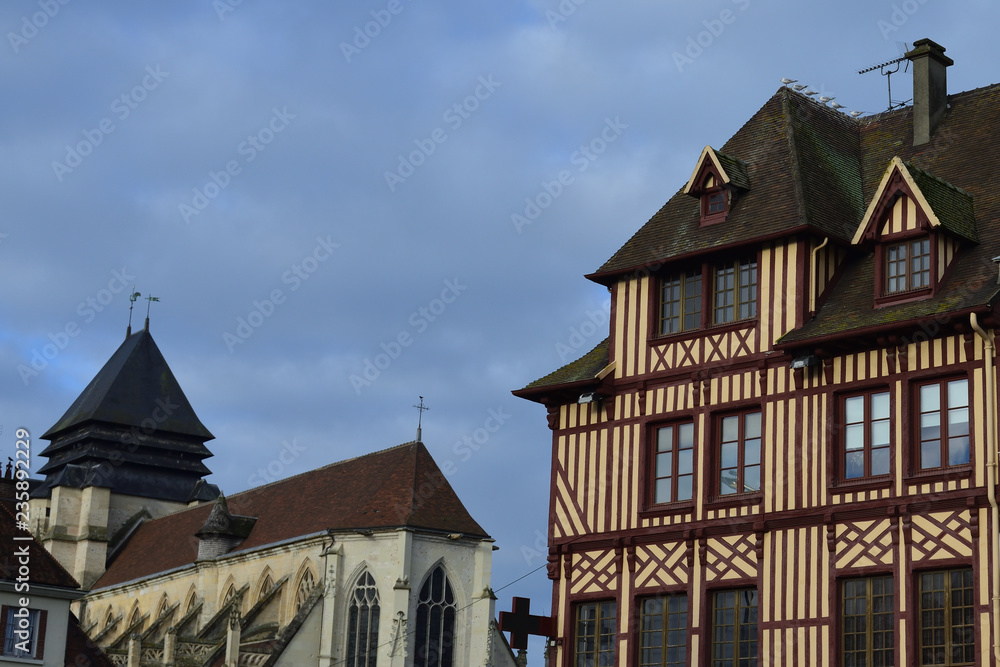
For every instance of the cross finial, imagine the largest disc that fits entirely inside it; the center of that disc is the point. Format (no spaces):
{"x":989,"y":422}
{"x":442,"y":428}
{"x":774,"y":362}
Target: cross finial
{"x":421,"y":408}
{"x":149,"y":300}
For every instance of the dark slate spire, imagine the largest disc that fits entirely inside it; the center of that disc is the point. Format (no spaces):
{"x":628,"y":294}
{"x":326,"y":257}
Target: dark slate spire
{"x":134,"y":426}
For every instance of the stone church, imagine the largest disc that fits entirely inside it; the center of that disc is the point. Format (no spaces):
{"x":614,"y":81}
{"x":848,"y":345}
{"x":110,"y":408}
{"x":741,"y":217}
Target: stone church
{"x":369,"y":561}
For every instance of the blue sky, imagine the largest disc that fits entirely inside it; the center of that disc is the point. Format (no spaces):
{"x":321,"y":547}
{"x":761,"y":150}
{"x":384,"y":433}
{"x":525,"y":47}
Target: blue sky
{"x":354,"y":182}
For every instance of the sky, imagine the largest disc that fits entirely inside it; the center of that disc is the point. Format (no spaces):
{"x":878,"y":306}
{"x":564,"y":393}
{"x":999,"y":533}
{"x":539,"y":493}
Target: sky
{"x":342,"y":207}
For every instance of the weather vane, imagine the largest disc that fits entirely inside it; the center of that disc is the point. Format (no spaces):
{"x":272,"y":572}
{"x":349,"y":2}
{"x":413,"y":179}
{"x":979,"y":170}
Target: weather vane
{"x":132,"y":299}
{"x":420,"y":418}
{"x":149,"y":300}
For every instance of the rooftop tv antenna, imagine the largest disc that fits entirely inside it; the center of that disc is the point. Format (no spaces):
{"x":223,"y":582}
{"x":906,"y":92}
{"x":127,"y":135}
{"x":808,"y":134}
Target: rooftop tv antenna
{"x":883,"y":68}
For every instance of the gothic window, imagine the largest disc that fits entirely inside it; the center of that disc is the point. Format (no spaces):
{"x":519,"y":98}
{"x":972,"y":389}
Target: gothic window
{"x":135,"y":619}
{"x":435,"y":631}
{"x":306,"y":584}
{"x":109,"y":619}
{"x":265,"y":586}
{"x":362,"y":623}
{"x":164,"y":605}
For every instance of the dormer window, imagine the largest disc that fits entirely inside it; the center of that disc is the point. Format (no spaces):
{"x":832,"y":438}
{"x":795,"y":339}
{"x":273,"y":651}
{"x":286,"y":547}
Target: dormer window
{"x":908,"y":266}
{"x":713,"y":201}
{"x":716,"y":181}
{"x":917,"y":224}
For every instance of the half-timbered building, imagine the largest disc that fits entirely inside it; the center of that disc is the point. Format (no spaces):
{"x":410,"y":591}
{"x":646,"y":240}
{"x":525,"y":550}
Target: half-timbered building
{"x":785,"y":451}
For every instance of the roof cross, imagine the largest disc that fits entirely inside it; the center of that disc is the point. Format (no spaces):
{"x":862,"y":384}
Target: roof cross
{"x":519,"y":623}
{"x":421,"y":408}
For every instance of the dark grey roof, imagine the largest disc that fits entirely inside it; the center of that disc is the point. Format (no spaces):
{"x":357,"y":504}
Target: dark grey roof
{"x":127,"y":391}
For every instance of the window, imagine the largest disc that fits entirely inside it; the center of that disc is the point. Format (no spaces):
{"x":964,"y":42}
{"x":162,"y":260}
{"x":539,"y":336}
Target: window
{"x":23,"y":632}
{"x":713,"y":200}
{"x":868,"y":621}
{"x":734,"y":628}
{"x":674,"y":463}
{"x":306,"y":583}
{"x":663,"y":636}
{"x":739,"y":453}
{"x":680,"y":305}
{"x":435,"y":630}
{"x":865,"y":435}
{"x":735,"y":292}
{"x":733,"y":297}
{"x":362,"y":623}
{"x":908,"y":266}
{"x":595,"y":634}
{"x":947,"y":615}
{"x":944,"y":423}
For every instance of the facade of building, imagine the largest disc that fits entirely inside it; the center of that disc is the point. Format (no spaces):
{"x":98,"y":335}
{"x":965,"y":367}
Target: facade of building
{"x":785,"y":451}
{"x":373,"y":561}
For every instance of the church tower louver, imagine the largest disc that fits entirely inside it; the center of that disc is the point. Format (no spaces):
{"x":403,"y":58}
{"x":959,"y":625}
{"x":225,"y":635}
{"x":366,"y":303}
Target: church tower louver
{"x":126,"y":449}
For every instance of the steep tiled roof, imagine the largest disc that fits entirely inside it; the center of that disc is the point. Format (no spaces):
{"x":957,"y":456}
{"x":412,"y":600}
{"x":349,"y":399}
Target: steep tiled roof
{"x":802,"y":160}
{"x":961,"y":161}
{"x":45,"y":570}
{"x":397,"y":487}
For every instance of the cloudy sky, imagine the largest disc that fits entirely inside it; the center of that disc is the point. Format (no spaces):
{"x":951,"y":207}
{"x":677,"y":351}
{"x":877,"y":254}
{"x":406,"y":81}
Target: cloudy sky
{"x":345,"y":206}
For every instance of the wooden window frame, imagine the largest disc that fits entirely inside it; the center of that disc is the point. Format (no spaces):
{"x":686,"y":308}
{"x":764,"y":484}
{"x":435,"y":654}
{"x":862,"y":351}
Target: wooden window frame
{"x":948,"y":608}
{"x":674,"y":475}
{"x":739,"y":267}
{"x":599,"y":606}
{"x":883,"y":296}
{"x":683,"y":302}
{"x":867,"y":423}
{"x":868,"y":631}
{"x":753,"y":644}
{"x":741,"y":454}
{"x":745,"y":272}
{"x":945,"y":430}
{"x":671,"y":626}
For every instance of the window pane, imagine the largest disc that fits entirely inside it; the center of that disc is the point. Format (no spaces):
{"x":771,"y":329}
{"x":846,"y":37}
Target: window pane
{"x":958,"y":451}
{"x":665,"y":439}
{"x":685,"y":435}
{"x":730,"y":454}
{"x":854,"y":409}
{"x":880,"y":405}
{"x":684,"y":487}
{"x":854,"y":437}
{"x":958,"y":393}
{"x":930,"y":398}
{"x":880,"y":461}
{"x":854,"y":465}
{"x":880,"y":433}
{"x":663,"y":491}
{"x":930,"y":454}
{"x":752,"y":427}
{"x":685,"y":462}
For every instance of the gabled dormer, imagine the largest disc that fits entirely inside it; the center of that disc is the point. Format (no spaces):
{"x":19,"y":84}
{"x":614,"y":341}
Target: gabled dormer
{"x":917,"y":224}
{"x":716,"y":181}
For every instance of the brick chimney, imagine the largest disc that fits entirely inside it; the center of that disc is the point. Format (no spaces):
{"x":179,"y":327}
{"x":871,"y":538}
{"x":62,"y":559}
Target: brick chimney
{"x":930,"y":87}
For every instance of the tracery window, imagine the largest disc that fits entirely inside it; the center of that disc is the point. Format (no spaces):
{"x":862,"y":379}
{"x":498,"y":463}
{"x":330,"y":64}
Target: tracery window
{"x":362,"y":623}
{"x":435,"y":631}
